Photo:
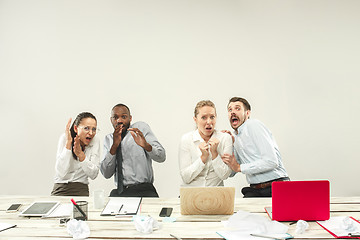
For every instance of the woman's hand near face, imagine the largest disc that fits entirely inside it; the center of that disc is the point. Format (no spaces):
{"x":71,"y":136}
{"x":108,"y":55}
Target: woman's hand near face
{"x":214,"y":143}
{"x":68,"y":135}
{"x":77,"y":149}
{"x":204,"y":148}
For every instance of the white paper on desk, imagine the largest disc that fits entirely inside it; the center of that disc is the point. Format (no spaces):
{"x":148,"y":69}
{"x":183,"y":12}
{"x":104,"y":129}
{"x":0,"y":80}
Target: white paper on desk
{"x":4,"y":226}
{"x":234,"y":235}
{"x":243,"y":235}
{"x":63,"y":210}
{"x":122,"y":206}
{"x":242,"y":224}
{"x":337,"y":227}
{"x":246,"y":221}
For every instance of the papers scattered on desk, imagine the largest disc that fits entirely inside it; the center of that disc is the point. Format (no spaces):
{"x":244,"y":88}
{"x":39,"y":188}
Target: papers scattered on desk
{"x":122,"y":206}
{"x":4,"y":226}
{"x":242,"y":224}
{"x":341,"y":227}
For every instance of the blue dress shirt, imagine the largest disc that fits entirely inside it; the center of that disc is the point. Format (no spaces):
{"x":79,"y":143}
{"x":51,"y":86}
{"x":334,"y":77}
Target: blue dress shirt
{"x":257,"y":153}
{"x":137,"y":162}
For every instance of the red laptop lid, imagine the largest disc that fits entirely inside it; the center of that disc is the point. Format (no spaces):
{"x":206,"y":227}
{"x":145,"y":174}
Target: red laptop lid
{"x":301,"y":200}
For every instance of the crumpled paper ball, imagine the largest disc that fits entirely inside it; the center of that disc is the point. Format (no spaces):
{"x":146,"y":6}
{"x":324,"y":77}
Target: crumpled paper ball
{"x":348,"y":225}
{"x":145,"y":224}
{"x":78,"y":229}
{"x":301,"y":227}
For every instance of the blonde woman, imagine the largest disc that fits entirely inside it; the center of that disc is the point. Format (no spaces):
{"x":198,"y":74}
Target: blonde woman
{"x":200,"y":150}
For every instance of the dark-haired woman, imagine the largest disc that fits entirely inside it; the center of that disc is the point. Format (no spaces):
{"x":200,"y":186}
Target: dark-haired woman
{"x":77,"y":157}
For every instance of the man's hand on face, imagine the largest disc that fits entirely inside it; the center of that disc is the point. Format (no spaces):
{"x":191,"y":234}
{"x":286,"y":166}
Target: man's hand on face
{"x":117,"y":133}
{"x":140,"y":139}
{"x":116,"y":138}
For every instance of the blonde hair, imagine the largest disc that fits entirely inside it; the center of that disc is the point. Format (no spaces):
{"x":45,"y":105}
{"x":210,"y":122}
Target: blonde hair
{"x":203,"y":103}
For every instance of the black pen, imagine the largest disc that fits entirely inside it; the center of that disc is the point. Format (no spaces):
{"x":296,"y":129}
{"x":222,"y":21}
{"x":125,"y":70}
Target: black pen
{"x":120,"y":208}
{"x":78,"y":208}
{"x":354,"y":234}
{"x":172,"y":235}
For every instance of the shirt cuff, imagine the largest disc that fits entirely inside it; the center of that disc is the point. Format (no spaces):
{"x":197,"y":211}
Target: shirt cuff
{"x":245,"y":168}
{"x":86,"y":161}
{"x":109,"y":155}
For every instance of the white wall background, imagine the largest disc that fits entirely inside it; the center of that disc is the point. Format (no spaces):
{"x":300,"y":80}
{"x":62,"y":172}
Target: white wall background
{"x":297,"y":62}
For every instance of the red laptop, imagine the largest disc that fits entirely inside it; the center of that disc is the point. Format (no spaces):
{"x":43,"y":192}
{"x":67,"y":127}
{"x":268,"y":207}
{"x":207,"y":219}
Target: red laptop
{"x":300,"y":200}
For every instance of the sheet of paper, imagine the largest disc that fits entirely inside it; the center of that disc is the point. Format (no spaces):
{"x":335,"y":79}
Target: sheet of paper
{"x":245,"y":235}
{"x":63,"y":210}
{"x":122,"y":206}
{"x":4,"y":226}
{"x":337,"y":226}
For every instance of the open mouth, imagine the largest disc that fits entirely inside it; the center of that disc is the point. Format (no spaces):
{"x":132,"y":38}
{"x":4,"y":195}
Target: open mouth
{"x":88,"y":138}
{"x":234,"y":120}
{"x":208,"y":128}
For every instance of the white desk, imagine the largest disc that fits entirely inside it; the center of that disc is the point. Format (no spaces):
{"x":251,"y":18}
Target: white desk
{"x":185,"y":227}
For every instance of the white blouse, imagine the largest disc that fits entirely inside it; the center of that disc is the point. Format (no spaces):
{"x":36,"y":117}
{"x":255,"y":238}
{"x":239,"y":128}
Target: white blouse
{"x":69,"y":169}
{"x":193,"y":171}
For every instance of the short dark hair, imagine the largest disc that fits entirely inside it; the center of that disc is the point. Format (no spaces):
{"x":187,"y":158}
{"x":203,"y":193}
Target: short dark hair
{"x":121,"y":105}
{"x":243,"y":100}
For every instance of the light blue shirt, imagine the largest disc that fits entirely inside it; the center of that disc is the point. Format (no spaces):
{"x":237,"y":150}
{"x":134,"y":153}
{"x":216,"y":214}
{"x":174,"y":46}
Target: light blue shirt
{"x":256,"y":150}
{"x":137,"y":167}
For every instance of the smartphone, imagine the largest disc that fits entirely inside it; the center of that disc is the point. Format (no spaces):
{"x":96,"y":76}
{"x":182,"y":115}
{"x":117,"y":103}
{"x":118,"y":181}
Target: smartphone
{"x":165,"y":212}
{"x":14,"y":207}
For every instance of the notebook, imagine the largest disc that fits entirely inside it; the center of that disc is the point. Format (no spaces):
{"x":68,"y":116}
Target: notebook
{"x":300,"y":200}
{"x":207,"y":200}
{"x":39,"y":209}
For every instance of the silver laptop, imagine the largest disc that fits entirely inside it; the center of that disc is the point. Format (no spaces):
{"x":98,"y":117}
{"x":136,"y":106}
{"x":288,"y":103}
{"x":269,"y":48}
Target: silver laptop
{"x":207,"y":200}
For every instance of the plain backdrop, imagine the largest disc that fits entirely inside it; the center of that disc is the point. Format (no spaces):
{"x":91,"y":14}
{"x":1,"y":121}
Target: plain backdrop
{"x":297,"y":62}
